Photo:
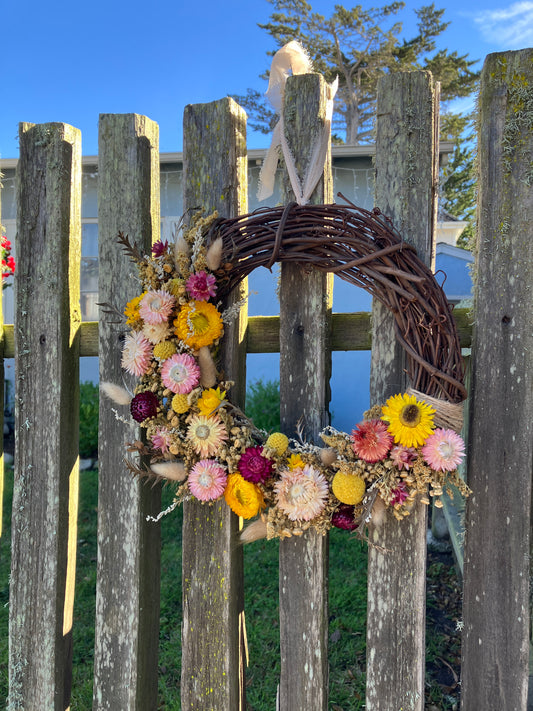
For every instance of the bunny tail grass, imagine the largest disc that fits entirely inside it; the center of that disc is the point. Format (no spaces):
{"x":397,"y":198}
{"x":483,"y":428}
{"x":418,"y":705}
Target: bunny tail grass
{"x":254,"y":532}
{"x":208,"y":371}
{"x":378,"y":512}
{"x":175,"y":471}
{"x":214,"y":255}
{"x":116,"y":393}
{"x":181,"y":247}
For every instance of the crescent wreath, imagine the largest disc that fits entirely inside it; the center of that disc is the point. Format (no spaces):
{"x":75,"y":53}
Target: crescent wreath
{"x":210,"y":450}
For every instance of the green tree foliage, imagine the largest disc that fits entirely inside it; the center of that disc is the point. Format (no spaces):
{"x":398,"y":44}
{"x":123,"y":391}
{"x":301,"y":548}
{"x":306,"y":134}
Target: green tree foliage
{"x":262,"y":404}
{"x":89,"y":399}
{"x":458,"y":177}
{"x":358,"y":46}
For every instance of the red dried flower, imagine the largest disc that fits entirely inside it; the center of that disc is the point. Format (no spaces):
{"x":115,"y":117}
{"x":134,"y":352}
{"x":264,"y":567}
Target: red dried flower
{"x":343,"y":517}
{"x":144,"y":405}
{"x":253,"y":466}
{"x":371,"y":440}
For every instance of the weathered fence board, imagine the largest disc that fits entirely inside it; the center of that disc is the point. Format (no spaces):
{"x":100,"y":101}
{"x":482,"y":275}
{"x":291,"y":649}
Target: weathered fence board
{"x":349,"y":332}
{"x":406,"y":184}
{"x":497,"y":547}
{"x":128,"y":568}
{"x":45,"y":496}
{"x":212,"y":676}
{"x":305,"y":366}
{"x":2,"y":349}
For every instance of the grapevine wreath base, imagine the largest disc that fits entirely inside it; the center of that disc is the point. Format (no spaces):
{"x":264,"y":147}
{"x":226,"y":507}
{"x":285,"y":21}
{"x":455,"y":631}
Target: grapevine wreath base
{"x":198,"y":439}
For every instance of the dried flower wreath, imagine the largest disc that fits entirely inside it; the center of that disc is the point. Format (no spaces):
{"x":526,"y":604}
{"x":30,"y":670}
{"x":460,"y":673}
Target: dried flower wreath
{"x":198,"y":439}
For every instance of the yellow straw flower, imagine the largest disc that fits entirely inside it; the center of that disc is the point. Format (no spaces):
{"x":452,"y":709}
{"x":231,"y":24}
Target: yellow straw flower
{"x":295,"y":462}
{"x":198,"y":324}
{"x":410,"y":420}
{"x":131,"y":310}
{"x":244,"y":498}
{"x":210,"y":400}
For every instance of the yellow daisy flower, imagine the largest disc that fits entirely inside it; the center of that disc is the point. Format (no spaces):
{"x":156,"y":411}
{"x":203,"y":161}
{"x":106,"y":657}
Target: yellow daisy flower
{"x":210,"y":400}
{"x":198,"y":324}
{"x":410,"y":420}
{"x":244,"y":498}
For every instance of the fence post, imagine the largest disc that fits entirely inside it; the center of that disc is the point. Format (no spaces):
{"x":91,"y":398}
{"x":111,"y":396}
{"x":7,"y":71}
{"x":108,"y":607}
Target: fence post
{"x":305,"y":367}
{"x":496,"y":567}
{"x":406,"y":184}
{"x":45,"y":496}
{"x":212,"y":675}
{"x":128,"y":568}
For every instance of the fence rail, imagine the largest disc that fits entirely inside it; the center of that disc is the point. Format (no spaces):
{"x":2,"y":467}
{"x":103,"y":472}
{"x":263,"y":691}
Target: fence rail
{"x":48,"y":338}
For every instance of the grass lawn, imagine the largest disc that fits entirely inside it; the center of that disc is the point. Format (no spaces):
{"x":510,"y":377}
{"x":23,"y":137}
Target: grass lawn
{"x":347,"y":611}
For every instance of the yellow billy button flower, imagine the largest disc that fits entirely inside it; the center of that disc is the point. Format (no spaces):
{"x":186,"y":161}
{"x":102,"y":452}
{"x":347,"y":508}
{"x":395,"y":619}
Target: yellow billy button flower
{"x":348,"y":488}
{"x":180,"y":404}
{"x":210,"y":400}
{"x":164,"y":350}
{"x":410,"y":420}
{"x":278,"y":442}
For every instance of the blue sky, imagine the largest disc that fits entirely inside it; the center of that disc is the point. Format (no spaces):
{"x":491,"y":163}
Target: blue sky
{"x":70,"y":61}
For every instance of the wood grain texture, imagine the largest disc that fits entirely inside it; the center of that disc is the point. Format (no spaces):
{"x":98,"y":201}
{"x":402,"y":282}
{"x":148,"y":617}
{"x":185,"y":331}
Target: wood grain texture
{"x":305,"y":368}
{"x":497,"y":545}
{"x":47,"y":325}
{"x":406,"y":185}
{"x":128,"y":569}
{"x":212,"y":676}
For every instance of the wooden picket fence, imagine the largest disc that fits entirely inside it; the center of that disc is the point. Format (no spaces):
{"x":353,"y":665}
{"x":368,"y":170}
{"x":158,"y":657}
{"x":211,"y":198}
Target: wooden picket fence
{"x":48,"y":339}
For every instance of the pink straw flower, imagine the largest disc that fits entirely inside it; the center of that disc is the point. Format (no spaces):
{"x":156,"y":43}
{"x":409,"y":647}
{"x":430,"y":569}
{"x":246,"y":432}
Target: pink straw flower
{"x":301,"y":493}
{"x":371,"y":440}
{"x":443,"y":450}
{"x":402,"y":457}
{"x":207,"y":480}
{"x":136,"y":354}
{"x":201,"y":286}
{"x":180,"y":373}
{"x":156,"y":306}
{"x":162,"y":439}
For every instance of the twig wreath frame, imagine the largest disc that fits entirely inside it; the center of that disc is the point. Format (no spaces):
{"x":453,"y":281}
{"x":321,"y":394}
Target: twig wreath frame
{"x":363,"y":248}
{"x":198,"y":439}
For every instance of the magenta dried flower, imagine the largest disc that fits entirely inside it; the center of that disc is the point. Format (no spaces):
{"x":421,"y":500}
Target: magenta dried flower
{"x":253,"y":466}
{"x":201,"y":286}
{"x":144,"y":405}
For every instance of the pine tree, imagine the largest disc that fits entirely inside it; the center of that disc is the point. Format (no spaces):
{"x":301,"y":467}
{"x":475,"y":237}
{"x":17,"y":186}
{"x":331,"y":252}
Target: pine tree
{"x":359,"y":46}
{"x":458,"y":176}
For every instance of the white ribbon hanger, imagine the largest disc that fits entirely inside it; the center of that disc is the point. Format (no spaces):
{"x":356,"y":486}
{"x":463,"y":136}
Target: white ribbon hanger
{"x":292,"y":58}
